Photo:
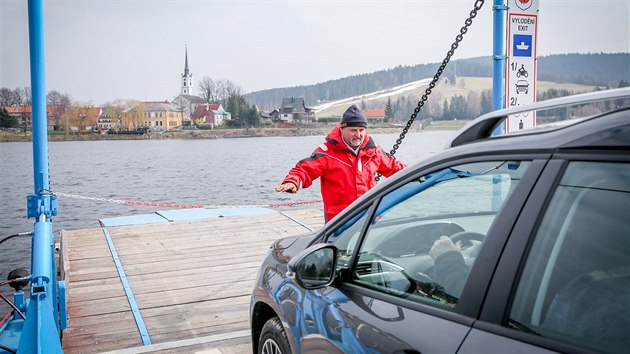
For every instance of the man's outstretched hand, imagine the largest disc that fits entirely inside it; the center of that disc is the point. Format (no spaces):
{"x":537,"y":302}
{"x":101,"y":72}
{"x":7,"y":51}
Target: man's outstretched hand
{"x":287,"y":187}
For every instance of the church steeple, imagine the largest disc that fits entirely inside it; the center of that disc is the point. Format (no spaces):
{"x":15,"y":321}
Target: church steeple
{"x":186,"y":71}
{"x":187,"y":78}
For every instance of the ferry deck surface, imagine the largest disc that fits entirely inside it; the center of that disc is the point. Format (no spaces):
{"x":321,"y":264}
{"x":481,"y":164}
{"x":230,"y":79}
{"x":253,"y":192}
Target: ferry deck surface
{"x":175,"y":281}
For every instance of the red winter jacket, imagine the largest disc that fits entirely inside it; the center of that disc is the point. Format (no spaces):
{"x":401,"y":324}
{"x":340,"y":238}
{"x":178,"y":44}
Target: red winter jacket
{"x":344,"y":175}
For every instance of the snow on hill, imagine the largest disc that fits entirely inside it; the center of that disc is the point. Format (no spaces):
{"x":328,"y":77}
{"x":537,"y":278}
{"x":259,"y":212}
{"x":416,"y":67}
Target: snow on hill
{"x":337,"y":107}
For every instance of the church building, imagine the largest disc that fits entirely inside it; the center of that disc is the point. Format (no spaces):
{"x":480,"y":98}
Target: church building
{"x":187,"y":102}
{"x":187,"y":78}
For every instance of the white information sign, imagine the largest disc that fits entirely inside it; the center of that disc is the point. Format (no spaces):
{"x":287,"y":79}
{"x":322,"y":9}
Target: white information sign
{"x":521,"y":62}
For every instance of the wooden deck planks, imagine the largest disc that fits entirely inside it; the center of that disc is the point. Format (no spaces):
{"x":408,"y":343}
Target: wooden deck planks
{"x":190,"y":279}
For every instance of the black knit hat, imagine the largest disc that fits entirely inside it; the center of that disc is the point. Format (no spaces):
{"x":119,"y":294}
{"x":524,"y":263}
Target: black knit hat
{"x":353,"y":117}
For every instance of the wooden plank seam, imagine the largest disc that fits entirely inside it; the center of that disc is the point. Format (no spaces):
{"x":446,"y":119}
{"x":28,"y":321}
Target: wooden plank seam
{"x":183,"y":343}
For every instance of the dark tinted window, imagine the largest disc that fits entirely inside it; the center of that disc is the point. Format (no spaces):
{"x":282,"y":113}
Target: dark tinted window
{"x":576,"y":279}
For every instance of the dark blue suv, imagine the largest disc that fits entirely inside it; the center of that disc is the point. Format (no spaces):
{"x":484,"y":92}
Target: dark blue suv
{"x":498,"y":244}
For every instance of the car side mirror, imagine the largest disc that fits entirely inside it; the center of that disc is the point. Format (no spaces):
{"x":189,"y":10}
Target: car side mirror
{"x":314,"y":267}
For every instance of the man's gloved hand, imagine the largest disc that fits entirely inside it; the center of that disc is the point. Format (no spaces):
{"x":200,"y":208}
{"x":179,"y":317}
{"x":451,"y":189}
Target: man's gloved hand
{"x":443,"y":245}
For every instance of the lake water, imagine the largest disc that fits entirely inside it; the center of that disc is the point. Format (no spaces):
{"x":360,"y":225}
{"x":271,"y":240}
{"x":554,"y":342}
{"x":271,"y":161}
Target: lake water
{"x":230,"y":172}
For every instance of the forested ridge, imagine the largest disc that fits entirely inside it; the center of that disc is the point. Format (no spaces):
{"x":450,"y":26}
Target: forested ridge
{"x":594,"y":69}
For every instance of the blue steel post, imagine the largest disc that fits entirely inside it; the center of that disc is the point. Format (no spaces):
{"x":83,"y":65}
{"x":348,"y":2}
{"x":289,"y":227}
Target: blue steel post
{"x":40,"y":333}
{"x":499,"y":56}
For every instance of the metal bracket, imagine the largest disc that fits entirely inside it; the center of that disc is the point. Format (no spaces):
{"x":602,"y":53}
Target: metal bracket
{"x":19,"y":300}
{"x":41,"y":205}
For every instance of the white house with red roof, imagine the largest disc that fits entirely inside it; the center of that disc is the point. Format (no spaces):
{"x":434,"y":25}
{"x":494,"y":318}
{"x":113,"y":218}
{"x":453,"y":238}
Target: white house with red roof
{"x":212,"y":114}
{"x":24,"y":115}
{"x":374,"y":114}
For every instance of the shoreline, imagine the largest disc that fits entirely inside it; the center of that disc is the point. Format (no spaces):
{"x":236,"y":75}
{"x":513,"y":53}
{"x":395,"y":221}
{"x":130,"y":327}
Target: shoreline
{"x":224,"y":133}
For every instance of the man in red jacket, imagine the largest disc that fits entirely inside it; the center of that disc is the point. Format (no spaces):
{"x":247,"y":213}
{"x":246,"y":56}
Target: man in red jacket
{"x":347,"y":163}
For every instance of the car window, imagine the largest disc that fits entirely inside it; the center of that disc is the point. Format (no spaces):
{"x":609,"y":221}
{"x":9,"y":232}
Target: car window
{"x":346,"y":236}
{"x":576,"y":280}
{"x":425,"y":235}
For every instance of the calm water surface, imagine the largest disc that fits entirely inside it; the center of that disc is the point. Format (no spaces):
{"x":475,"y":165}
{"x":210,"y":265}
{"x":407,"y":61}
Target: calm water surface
{"x":230,"y":172}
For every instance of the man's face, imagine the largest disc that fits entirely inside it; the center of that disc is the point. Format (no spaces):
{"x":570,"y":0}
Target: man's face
{"x":353,"y":136}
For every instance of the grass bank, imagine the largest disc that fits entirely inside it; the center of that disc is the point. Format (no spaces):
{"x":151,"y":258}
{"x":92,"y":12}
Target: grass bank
{"x":225,"y":133}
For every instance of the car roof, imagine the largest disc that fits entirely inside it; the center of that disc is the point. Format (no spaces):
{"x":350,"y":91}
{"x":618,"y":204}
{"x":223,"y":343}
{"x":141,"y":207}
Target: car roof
{"x":609,"y":130}
{"x":483,"y":127}
{"x":606,"y":130}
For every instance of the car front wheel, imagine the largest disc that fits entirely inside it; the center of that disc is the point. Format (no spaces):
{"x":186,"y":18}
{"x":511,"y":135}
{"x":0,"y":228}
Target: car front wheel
{"x":273,"y":339}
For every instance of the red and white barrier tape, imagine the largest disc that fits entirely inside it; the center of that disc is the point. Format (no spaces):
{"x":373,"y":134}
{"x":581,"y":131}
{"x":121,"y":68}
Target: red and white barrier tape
{"x":185,"y":206}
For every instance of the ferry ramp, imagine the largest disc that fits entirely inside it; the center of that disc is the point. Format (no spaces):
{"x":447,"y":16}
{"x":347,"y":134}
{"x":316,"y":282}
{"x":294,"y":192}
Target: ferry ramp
{"x":169,"y":282}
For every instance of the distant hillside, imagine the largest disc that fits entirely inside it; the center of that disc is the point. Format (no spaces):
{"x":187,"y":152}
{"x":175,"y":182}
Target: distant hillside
{"x":597,"y":69}
{"x":405,"y":97}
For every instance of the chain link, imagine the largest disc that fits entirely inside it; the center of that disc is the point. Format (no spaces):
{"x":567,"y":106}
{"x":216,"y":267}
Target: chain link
{"x":96,"y":199}
{"x":436,"y":78}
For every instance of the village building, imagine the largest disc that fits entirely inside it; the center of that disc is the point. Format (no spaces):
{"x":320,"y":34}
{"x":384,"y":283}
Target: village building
{"x":374,"y":115}
{"x":161,"y":115}
{"x":24,"y":116}
{"x":293,"y":110}
{"x":187,"y":78}
{"x":81,"y":118}
{"x":189,"y":104}
{"x":75,"y":118}
{"x":106,"y":120}
{"x":211,"y":114}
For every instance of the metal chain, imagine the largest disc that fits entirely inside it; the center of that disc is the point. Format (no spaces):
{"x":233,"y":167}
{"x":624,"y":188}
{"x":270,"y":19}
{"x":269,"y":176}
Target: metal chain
{"x":96,"y":199}
{"x":427,"y":92}
{"x":184,"y":206}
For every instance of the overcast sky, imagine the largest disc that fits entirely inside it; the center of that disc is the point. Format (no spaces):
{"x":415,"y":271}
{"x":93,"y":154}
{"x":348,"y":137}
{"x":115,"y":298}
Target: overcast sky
{"x":98,"y":51}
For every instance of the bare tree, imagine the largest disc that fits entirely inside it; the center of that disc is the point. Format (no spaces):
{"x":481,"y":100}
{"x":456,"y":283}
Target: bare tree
{"x":84,"y":112}
{"x":133,"y":116}
{"x":69,"y":118}
{"x":208,"y":89}
{"x":181,"y":104}
{"x":10,"y":97}
{"x":115,"y":111}
{"x":225,"y":90}
{"x":76,"y":115}
{"x":222,"y":94}
{"x":26,"y":96}
{"x":233,"y":89}
{"x":5,"y":97}
{"x":59,"y":101}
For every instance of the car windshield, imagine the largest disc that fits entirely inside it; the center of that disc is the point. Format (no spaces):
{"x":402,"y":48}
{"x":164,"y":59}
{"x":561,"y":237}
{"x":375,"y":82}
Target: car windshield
{"x":474,"y":193}
{"x":455,"y":206}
